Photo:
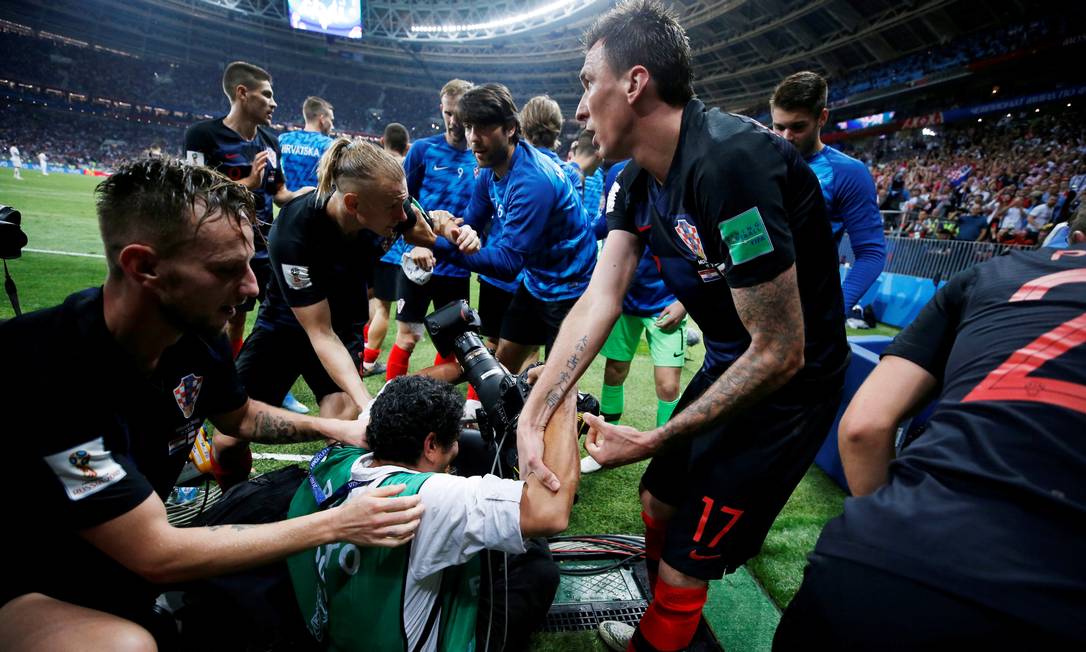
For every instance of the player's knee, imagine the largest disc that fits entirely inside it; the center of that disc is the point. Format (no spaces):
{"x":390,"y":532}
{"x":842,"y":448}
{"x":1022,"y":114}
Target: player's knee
{"x":615,"y":372}
{"x":130,"y":637}
{"x":657,"y":510}
{"x":667,"y":390}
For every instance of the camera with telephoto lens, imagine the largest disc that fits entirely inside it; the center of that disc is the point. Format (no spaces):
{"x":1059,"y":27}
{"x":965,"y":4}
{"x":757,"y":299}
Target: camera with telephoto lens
{"x":492,"y":447}
{"x":12,"y":238}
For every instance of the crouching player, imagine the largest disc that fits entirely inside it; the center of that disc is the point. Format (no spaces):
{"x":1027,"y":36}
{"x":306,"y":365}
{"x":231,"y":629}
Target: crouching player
{"x":428,"y":595}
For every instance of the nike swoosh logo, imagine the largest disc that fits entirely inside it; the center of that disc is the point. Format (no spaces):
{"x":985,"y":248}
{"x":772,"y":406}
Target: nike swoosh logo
{"x":230,"y":156}
{"x":678,"y":355}
{"x":696,"y":557}
{"x":438,"y":169}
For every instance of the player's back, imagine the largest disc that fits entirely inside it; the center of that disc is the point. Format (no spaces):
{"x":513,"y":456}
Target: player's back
{"x":301,"y":151}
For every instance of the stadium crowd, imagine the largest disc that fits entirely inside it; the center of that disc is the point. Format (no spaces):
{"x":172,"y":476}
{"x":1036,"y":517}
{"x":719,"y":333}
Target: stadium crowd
{"x":381,"y":544}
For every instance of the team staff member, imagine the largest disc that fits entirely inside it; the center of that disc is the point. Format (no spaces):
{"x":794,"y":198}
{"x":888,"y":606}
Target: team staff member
{"x":543,"y":227}
{"x":798,"y":109}
{"x":737,"y":221}
{"x":966,"y":539}
{"x":178,"y":242}
{"x":428,"y":596}
{"x":242,"y":146}
{"x":323,"y":247}
{"x":441,"y":175}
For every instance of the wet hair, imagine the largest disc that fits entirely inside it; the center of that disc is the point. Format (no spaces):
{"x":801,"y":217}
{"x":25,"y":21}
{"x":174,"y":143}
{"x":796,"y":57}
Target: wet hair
{"x":314,"y":107}
{"x":801,"y":91}
{"x":240,"y":73}
{"x":489,"y":105}
{"x":153,"y":201}
{"x":408,"y":409}
{"x":354,"y":158}
{"x":541,"y":119}
{"x":646,"y":33}
{"x":396,"y":138}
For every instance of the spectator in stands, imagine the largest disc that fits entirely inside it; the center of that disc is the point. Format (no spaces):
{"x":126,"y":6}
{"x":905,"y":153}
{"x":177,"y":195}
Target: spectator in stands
{"x":972,"y":223}
{"x":963,"y":538}
{"x":798,"y":108}
{"x":178,"y":240}
{"x":1040,"y":215}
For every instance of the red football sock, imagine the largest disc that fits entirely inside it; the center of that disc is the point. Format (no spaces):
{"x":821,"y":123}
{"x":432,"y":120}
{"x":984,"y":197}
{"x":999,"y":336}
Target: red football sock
{"x":236,"y":345}
{"x":398,"y":361}
{"x":366,"y":332}
{"x":472,"y":395}
{"x":370,"y":355}
{"x":442,"y":359}
{"x":671,"y":620}
{"x":654,"y":547}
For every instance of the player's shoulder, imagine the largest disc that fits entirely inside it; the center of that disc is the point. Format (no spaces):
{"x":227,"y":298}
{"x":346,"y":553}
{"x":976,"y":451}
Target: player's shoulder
{"x":842,"y":161}
{"x":206,"y":126}
{"x":268,"y":135}
{"x":728,"y":143}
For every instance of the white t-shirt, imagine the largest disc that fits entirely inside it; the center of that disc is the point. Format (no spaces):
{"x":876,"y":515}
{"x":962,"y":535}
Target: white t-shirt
{"x":1040,"y":215}
{"x":463,"y":516}
{"x":1012,"y":219}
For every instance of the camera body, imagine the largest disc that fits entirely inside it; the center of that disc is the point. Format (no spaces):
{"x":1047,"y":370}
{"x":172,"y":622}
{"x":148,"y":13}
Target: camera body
{"x":492,"y":447}
{"x":12,"y":238}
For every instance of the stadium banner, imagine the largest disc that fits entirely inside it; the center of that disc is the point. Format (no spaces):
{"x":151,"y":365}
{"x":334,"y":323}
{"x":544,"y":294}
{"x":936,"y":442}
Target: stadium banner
{"x":1014,"y":103}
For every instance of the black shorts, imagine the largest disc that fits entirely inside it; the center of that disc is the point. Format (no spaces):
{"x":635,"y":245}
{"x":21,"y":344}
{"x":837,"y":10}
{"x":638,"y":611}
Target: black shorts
{"x":386,"y":280}
{"x":273,"y":358}
{"x":531,"y":321}
{"x":262,"y":271}
{"x":415,"y":299}
{"x":493,"y":304}
{"x":844,"y":605}
{"x":728,"y":483}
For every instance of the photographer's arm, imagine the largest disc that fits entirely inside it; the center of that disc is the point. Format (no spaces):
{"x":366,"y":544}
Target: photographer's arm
{"x":580,"y":338}
{"x":143,"y":540}
{"x":542,"y":511}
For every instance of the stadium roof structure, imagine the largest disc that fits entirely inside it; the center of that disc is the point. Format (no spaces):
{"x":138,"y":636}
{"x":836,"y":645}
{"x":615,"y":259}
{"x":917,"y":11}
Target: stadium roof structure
{"x":742,"y":48}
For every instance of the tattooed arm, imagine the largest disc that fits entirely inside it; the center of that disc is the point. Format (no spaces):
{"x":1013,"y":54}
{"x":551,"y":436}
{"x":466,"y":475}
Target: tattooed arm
{"x":583,"y":333}
{"x":264,"y":424}
{"x":771,"y":313}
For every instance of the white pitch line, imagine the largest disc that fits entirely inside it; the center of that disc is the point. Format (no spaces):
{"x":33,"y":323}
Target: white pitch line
{"x":282,"y":457}
{"x":62,"y":253}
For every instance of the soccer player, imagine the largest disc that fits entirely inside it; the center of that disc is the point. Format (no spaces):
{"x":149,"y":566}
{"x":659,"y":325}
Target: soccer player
{"x":971,"y":529}
{"x":798,"y":109}
{"x":541,"y":119}
{"x":396,"y":140}
{"x":441,"y":173}
{"x":177,"y":240}
{"x":585,"y":157}
{"x":301,"y":150}
{"x":242,"y":146}
{"x":16,"y":162}
{"x":533,"y":204}
{"x":43,"y":164}
{"x":738,"y":224}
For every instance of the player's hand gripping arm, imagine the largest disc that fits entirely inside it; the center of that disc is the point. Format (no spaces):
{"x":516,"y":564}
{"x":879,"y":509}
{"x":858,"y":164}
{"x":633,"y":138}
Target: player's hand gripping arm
{"x":316,"y":320}
{"x":895,"y":389}
{"x":772,"y":315}
{"x":543,"y":512}
{"x":143,"y":540}
{"x":583,"y":333}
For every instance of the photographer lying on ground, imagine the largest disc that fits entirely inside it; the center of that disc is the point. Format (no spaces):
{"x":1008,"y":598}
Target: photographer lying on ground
{"x":355,"y":598}
{"x":111,"y":389}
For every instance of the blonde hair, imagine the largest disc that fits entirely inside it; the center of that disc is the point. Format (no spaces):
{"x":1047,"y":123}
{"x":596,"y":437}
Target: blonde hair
{"x":455,"y":88}
{"x":355,"y":158}
{"x":541,"y":119}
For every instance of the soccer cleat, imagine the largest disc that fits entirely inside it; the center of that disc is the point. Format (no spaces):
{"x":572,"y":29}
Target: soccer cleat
{"x":589,"y":465}
{"x":294,"y":405}
{"x":378,"y":368}
{"x":616,"y":635}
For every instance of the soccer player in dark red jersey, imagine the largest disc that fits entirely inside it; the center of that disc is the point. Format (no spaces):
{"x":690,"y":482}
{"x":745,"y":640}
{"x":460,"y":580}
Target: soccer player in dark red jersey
{"x":965,"y":538}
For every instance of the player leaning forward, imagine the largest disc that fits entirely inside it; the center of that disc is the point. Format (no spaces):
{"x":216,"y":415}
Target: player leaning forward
{"x":737,"y":221}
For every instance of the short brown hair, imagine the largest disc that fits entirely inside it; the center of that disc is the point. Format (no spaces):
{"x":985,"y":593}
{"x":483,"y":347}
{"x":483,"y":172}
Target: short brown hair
{"x":583,"y":142}
{"x":153,"y":201}
{"x":801,"y":91}
{"x":396,"y":138}
{"x":240,"y":73}
{"x":541,"y":118}
{"x":314,"y":107}
{"x":488,"y":105}
{"x":645,"y":32}
{"x":454,"y":88}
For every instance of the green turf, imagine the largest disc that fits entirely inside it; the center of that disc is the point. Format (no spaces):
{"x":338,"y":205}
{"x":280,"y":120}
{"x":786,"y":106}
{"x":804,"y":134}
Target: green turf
{"x":58,"y":213}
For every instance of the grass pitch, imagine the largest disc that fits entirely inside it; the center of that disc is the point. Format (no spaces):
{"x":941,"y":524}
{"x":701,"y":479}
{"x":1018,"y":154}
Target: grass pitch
{"x":58,"y":215}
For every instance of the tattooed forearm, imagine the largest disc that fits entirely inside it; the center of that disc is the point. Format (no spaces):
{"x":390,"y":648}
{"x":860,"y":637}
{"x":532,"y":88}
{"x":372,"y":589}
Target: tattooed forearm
{"x":275,"y":429}
{"x":772,"y":315}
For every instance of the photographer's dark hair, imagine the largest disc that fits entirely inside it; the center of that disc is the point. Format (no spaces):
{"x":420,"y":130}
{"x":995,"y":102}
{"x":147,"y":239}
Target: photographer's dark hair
{"x":488,"y":105}
{"x":408,"y":409}
{"x":153,"y":201}
{"x":801,"y":91}
{"x":645,"y":32}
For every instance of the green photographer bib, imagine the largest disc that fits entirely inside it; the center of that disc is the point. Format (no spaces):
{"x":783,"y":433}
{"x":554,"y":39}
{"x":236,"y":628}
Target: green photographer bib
{"x":352,"y":598}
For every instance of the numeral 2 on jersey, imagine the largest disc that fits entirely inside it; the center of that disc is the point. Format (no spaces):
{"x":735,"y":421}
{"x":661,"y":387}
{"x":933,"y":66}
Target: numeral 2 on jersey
{"x":1011,"y":381}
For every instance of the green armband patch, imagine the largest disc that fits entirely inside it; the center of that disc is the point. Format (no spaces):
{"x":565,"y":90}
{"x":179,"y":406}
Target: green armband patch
{"x":745,"y":236}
